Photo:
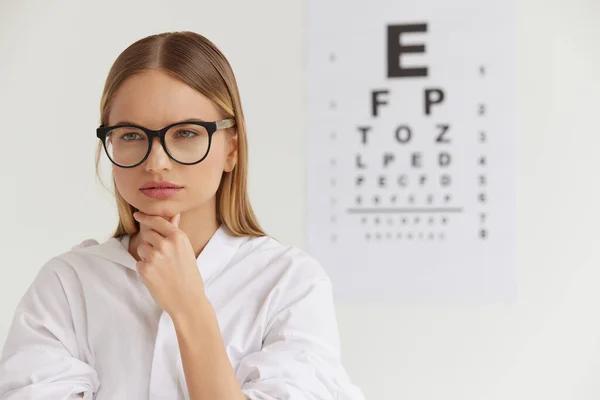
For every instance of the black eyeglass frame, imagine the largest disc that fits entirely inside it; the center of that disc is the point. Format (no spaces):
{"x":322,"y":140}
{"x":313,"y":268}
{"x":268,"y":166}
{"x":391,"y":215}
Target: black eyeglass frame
{"x":211,"y":128}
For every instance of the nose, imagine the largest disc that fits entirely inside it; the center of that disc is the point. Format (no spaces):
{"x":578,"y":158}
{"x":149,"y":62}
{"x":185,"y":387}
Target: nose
{"x":158,"y":159}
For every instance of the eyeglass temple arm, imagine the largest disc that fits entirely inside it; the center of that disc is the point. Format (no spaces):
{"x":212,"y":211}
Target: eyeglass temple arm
{"x":225,"y":123}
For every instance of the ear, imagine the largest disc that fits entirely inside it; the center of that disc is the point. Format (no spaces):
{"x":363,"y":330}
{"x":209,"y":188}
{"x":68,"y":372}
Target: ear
{"x":232,"y":151}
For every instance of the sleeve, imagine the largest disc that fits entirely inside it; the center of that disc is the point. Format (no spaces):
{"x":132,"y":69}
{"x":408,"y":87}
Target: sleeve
{"x":300,"y":356}
{"x":40,"y":356}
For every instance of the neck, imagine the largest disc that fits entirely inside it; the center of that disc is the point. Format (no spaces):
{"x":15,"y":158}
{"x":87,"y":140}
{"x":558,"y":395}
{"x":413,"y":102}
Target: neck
{"x":199,"y":224}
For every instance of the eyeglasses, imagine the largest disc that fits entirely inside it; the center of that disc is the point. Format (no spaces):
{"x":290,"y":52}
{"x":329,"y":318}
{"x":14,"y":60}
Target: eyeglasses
{"x":187,"y":143}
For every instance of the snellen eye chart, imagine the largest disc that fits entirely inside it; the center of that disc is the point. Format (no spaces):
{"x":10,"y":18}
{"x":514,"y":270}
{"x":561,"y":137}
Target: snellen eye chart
{"x":411,"y":147}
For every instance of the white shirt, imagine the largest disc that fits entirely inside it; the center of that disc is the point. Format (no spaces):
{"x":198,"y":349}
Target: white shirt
{"x":88,"y":327}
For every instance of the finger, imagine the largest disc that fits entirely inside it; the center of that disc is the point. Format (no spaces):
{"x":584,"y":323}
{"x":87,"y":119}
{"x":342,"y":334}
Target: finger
{"x":175,"y":219}
{"x":151,"y":237}
{"x":159,"y":224}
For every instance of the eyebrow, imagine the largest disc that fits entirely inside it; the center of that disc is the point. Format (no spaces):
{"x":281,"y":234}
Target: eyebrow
{"x":185,"y":120}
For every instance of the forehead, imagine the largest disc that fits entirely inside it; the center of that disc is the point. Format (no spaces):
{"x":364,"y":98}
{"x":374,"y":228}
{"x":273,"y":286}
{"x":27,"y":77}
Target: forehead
{"x":155,"y":99}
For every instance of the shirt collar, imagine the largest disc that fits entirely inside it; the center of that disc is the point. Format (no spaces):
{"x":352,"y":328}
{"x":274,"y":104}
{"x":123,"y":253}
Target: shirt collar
{"x":218,"y":252}
{"x":215,"y":256}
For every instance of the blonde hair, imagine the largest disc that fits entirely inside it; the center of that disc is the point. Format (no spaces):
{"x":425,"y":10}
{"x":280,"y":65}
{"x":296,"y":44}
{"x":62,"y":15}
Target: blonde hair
{"x":198,"y":62}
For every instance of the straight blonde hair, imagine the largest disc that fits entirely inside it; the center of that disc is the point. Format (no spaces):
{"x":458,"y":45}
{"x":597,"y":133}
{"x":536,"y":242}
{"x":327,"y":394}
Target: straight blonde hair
{"x":197,"y":62}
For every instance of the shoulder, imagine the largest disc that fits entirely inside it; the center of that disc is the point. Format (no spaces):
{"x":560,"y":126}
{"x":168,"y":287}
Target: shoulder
{"x":267,"y":255}
{"x":86,"y":250}
{"x":66,"y":258}
{"x":293,"y":286}
{"x":84,"y":255}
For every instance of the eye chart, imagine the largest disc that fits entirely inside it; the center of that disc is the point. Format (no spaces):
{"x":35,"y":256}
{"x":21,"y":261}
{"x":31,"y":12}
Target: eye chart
{"x":410,"y":153}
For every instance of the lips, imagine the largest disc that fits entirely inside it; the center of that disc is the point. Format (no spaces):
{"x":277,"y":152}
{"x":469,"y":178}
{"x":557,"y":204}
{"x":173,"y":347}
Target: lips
{"x":160,"y":189}
{"x":160,"y":185}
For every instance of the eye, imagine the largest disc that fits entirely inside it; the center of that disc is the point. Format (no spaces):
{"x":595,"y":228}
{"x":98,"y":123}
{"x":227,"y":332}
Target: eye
{"x":132,"y":136}
{"x":186,"y":134}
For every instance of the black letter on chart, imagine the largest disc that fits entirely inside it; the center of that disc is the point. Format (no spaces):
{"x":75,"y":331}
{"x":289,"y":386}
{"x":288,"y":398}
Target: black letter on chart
{"x":443,"y":130}
{"x":444,"y":159}
{"x":403,"y":138}
{"x":364,"y":130}
{"x":431,"y":100}
{"x":388,"y":158}
{"x":359,"y":163}
{"x":416,"y":160}
{"x":375,"y":103}
{"x":396,"y":49}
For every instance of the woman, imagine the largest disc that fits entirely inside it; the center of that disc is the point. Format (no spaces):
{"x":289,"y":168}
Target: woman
{"x":189,"y":298}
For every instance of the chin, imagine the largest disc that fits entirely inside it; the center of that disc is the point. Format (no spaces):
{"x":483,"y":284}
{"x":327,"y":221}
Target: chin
{"x":162,"y":208}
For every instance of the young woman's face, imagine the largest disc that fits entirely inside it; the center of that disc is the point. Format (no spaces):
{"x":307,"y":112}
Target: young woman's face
{"x":154,"y":99}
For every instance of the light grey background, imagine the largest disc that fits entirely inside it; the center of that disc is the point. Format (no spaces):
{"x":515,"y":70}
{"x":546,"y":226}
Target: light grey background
{"x":54,"y":57}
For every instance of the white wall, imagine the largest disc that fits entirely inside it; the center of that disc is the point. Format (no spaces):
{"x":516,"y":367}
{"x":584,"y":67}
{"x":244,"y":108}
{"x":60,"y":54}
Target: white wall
{"x":54,"y":56}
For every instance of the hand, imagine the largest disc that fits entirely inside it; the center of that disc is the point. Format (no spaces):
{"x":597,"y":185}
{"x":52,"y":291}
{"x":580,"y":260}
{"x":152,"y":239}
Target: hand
{"x":168,"y":264}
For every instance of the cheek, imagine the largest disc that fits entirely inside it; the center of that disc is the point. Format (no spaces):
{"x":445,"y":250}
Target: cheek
{"x":216,"y":157}
{"x":124,"y":181}
{"x":206,"y":176}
